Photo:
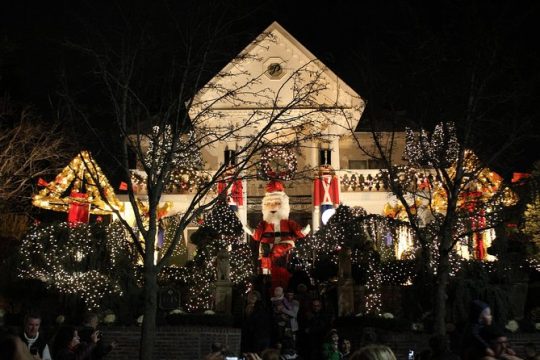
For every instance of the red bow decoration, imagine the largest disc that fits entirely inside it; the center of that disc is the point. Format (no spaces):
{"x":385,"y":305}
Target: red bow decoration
{"x":518,"y":177}
{"x":42,"y":182}
{"x":123,"y":186}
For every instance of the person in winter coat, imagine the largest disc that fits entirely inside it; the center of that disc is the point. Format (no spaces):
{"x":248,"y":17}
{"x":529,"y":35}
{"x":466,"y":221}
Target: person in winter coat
{"x":67,"y":345}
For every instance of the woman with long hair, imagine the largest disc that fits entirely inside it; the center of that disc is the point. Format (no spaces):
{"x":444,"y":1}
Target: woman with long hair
{"x":68,"y":346}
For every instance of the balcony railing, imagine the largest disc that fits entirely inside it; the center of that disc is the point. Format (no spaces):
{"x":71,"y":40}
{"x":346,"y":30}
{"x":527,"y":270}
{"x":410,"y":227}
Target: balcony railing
{"x":360,"y":180}
{"x":357,"y":180}
{"x":372,"y":180}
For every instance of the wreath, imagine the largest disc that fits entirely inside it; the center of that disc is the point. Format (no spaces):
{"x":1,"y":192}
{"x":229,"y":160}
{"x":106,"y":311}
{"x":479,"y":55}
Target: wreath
{"x":277,"y":163}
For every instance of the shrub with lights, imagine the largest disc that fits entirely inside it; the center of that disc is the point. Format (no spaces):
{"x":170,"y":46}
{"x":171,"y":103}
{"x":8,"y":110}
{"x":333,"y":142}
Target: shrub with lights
{"x":221,"y":229}
{"x":373,"y":241}
{"x":342,"y":229}
{"x":85,"y":260}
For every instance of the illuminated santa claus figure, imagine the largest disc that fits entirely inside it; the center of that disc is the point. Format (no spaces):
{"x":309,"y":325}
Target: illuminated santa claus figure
{"x":276,"y":234}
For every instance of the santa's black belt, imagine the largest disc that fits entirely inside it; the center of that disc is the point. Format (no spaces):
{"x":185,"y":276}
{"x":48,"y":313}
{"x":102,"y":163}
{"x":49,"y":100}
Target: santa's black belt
{"x":276,"y":234}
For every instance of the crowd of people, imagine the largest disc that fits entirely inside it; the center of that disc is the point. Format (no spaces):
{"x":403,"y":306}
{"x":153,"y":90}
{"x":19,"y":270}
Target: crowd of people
{"x":68,"y":343}
{"x":284,"y":325}
{"x":295,"y":325}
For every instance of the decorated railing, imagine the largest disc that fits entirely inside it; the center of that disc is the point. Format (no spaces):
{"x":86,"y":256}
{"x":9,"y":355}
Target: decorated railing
{"x":364,"y":180}
{"x":372,"y":180}
{"x":361,"y":180}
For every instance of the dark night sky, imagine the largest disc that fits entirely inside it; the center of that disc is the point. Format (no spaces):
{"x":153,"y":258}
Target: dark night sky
{"x":402,"y":56}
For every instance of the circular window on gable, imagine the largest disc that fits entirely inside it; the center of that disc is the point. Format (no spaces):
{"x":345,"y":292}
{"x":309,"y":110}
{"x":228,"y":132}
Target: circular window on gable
{"x":274,"y":70}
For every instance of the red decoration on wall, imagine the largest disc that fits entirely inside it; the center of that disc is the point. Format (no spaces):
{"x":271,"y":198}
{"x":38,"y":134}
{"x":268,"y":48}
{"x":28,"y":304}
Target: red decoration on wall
{"x":79,"y":208}
{"x":478,"y":221}
{"x":235,"y":192}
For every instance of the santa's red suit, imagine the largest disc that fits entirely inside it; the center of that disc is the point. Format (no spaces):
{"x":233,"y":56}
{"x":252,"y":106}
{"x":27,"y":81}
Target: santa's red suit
{"x":276,"y":238}
{"x":286,"y":231}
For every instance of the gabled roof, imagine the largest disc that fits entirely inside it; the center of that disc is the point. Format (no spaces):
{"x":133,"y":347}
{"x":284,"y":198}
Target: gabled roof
{"x":260,"y":78}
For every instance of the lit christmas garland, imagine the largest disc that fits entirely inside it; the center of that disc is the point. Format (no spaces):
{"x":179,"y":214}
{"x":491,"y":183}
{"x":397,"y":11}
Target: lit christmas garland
{"x":79,"y":260}
{"x":186,"y":180}
{"x":277,"y":163}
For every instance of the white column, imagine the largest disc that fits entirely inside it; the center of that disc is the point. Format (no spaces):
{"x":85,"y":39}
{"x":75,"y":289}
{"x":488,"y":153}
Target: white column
{"x":242,"y":211}
{"x":334,"y":145}
{"x":316,"y":215}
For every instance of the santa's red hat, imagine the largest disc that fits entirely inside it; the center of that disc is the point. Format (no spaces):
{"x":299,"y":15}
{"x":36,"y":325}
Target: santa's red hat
{"x":274,"y":186}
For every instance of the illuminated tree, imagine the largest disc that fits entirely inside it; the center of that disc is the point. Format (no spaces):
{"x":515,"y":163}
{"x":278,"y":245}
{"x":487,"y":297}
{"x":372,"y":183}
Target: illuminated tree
{"x":221,"y":229}
{"x":531,"y":226}
{"x":164,"y":109}
{"x":532,"y":220}
{"x":458,"y":70}
{"x":456,"y":205}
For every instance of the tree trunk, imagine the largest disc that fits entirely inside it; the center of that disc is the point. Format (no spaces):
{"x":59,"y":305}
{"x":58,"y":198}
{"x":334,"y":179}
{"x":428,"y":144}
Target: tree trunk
{"x":424,"y":282}
{"x":150,"y":307}
{"x":443,"y":272}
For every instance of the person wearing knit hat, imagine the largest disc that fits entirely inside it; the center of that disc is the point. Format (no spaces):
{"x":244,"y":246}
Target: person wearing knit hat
{"x":276,"y":234}
{"x":480,"y":312}
{"x":479,"y":317}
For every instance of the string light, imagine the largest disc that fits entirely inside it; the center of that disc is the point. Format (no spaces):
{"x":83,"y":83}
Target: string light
{"x":373,"y":287}
{"x":80,"y":260}
{"x":220,"y":229}
{"x":182,"y":149}
{"x":84,"y":176}
{"x":277,"y":162}
{"x":186,"y":175}
{"x":439,"y":149}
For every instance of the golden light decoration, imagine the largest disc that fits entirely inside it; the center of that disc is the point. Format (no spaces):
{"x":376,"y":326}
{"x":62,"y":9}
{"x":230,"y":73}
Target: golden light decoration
{"x":484,"y":184}
{"x":162,"y":209}
{"x":82,"y":175}
{"x":397,"y":211}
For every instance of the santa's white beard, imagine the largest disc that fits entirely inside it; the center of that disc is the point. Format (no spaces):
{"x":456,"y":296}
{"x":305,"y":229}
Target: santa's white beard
{"x":274,"y":218}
